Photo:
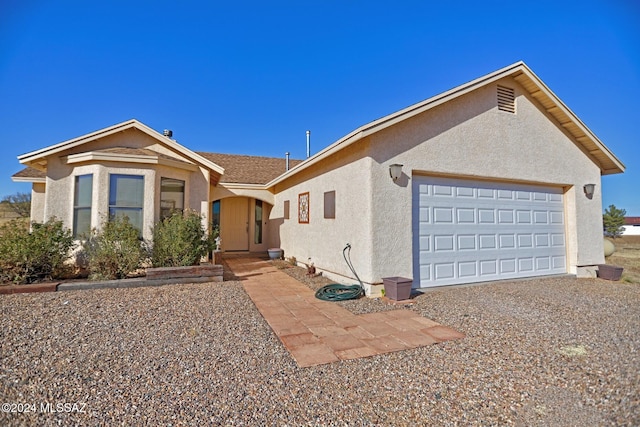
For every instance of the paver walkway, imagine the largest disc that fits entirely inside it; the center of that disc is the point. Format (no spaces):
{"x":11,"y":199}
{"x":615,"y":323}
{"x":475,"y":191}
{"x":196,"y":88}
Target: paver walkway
{"x":316,"y":332}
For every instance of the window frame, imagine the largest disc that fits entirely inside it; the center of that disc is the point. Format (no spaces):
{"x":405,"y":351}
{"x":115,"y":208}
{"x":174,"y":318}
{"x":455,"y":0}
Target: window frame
{"x":77,"y":207}
{"x":164,"y":212}
{"x":112,"y":206}
{"x":330,"y":204}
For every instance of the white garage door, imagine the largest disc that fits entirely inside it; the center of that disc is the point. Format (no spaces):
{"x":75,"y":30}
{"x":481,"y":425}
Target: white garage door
{"x":473,"y":231}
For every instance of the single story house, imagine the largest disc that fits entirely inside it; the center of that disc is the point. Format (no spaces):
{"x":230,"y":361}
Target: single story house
{"x":631,"y":226}
{"x":494,"y":179}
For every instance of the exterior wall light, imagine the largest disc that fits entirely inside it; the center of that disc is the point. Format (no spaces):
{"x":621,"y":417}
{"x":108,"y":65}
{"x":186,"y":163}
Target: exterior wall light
{"x":395,"y":171}
{"x":589,"y":189}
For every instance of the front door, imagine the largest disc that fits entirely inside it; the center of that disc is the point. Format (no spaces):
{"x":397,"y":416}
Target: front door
{"x":234,"y":224}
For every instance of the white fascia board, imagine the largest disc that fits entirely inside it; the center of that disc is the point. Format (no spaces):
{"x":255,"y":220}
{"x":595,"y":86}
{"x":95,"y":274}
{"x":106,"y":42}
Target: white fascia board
{"x":53,"y":149}
{"x":110,"y":157}
{"x":241,"y":186}
{"x":127,"y":158}
{"x":32,"y":180}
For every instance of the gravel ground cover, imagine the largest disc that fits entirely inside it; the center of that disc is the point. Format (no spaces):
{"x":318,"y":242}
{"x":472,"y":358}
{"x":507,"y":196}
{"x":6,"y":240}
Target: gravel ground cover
{"x":554,"y":351}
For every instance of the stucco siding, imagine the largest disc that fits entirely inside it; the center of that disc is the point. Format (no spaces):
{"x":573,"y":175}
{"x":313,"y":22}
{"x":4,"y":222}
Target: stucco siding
{"x":38,"y":202}
{"x":323,"y":239}
{"x":58,"y":199}
{"x":470,"y":137}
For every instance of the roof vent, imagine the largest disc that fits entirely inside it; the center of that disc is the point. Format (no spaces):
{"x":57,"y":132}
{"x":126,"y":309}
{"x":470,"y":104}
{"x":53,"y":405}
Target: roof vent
{"x":506,"y":99}
{"x":168,"y":133}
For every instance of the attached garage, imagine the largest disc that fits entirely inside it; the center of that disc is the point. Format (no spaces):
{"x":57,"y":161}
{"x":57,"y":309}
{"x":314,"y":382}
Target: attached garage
{"x":495,"y":179}
{"x":472,"y":231}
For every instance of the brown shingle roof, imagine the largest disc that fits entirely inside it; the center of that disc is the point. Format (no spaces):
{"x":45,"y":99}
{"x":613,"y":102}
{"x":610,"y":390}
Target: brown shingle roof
{"x":237,"y":168}
{"x":249,"y":169}
{"x":632,"y":220}
{"x":30,"y":172}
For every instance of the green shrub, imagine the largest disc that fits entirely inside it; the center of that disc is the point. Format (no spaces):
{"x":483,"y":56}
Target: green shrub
{"x":40,"y":254}
{"x":180,"y":240}
{"x":114,"y":251}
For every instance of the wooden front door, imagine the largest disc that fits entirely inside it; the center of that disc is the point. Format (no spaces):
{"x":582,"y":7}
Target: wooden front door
{"x":234,"y":227}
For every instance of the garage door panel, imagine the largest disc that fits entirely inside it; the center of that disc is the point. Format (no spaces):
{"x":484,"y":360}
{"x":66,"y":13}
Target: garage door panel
{"x":558,"y":263}
{"x":467,"y":242}
{"x":469,"y":231}
{"x":444,"y":271}
{"x":467,"y":269}
{"x":506,"y":241}
{"x":443,"y":243}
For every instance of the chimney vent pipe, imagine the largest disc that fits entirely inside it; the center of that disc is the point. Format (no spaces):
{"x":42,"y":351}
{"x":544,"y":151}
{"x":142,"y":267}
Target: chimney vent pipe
{"x":286,"y":156}
{"x":308,"y":144}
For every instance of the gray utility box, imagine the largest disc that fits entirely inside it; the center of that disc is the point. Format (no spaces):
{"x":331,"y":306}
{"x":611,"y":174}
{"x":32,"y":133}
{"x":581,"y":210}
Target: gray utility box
{"x":397,"y":288}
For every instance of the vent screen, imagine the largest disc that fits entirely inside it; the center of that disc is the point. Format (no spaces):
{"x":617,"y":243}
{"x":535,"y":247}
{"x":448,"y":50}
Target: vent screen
{"x":506,"y":99}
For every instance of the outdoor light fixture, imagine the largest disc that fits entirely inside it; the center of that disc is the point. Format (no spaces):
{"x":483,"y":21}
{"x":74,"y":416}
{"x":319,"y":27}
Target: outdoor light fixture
{"x":395,"y":171}
{"x":589,"y":189}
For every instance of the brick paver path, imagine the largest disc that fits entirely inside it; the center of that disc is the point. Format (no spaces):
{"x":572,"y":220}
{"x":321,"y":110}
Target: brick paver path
{"x":316,"y":332}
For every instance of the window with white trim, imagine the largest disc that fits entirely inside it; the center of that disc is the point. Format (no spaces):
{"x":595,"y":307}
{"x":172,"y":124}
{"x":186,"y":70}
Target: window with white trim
{"x":83,"y":193}
{"x":126,"y":198}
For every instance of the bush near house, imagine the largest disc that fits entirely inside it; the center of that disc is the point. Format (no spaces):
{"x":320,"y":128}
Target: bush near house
{"x":181,"y":240}
{"x":30,"y":256}
{"x":115,"y":251}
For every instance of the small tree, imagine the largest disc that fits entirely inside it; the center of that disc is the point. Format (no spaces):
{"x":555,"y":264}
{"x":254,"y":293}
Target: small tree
{"x":613,"y":220}
{"x":20,"y":203}
{"x":115,"y":251}
{"x":180,"y":240}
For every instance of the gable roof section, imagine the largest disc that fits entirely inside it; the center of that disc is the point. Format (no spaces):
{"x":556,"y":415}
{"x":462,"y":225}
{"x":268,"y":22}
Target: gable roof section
{"x":240,"y":169}
{"x":37,"y":159}
{"x":598,"y":152}
{"x":29,"y":174}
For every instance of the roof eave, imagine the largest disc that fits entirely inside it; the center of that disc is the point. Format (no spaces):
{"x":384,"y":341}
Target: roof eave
{"x":33,"y":157}
{"x":514,"y":70}
{"x":27,"y":179}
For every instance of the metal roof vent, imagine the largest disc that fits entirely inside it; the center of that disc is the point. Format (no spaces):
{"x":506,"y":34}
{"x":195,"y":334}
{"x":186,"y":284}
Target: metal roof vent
{"x":506,"y":99}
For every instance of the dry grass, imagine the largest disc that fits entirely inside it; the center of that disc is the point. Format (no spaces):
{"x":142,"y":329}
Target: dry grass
{"x":627,"y":255}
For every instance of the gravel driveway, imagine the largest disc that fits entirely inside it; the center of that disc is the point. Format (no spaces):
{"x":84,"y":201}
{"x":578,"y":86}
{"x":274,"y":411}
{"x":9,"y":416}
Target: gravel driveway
{"x":556,"y":351}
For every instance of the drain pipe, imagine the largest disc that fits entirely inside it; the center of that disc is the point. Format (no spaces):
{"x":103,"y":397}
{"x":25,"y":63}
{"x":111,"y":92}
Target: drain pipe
{"x":286,"y":156}
{"x":308,"y":144}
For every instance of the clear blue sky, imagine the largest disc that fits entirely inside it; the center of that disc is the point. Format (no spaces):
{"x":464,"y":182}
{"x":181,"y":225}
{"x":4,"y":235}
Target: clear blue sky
{"x":251,"y":77}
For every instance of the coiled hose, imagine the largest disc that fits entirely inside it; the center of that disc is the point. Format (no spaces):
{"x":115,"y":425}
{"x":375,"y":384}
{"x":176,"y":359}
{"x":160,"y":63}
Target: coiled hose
{"x":338,"y":292}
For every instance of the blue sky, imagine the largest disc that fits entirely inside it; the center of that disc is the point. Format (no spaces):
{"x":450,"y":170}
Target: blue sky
{"x":251,"y":77}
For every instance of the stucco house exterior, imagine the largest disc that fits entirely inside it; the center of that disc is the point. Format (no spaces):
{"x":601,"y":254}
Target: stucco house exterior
{"x":491,"y":182}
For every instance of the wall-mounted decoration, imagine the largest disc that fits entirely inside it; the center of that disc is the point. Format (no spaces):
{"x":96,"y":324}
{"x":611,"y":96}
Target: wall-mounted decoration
{"x":303,"y":208}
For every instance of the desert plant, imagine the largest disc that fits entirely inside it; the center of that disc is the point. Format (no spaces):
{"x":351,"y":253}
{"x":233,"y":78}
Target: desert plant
{"x":115,"y":250}
{"x":181,"y":240}
{"x":20,"y":203}
{"x":613,"y":220}
{"x":29,"y":256}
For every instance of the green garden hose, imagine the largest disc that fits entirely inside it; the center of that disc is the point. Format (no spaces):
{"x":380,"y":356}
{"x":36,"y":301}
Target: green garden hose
{"x":338,"y":292}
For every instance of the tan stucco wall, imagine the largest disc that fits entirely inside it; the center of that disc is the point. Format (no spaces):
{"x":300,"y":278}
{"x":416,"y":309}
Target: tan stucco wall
{"x":466,"y":137}
{"x":322,"y":239}
{"x":471,"y":137}
{"x":61,"y":178}
{"x":37,"y":202}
